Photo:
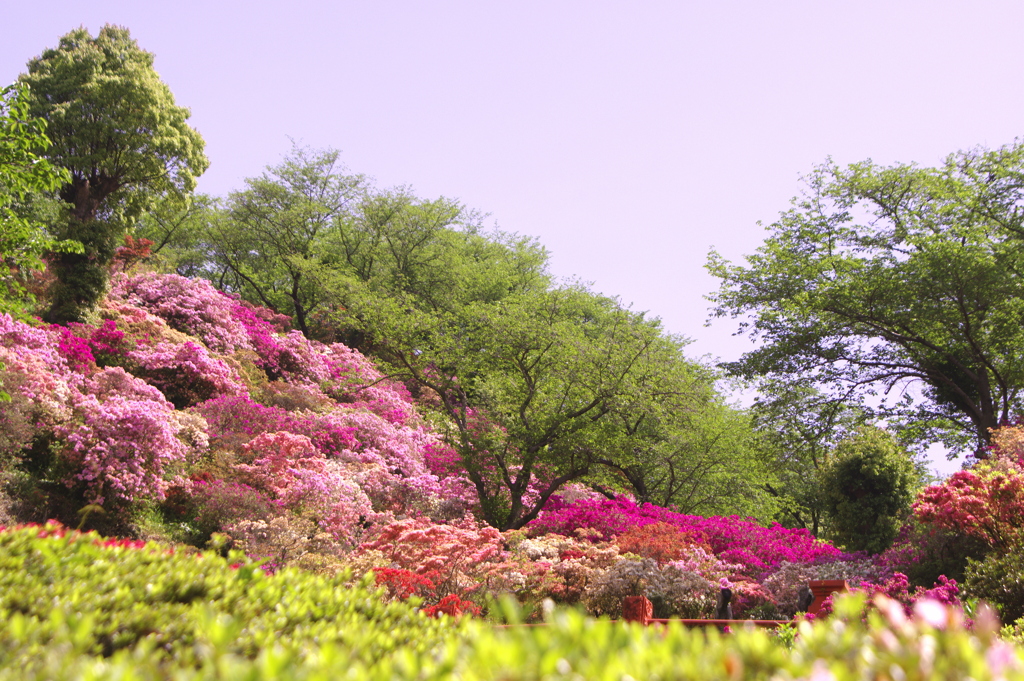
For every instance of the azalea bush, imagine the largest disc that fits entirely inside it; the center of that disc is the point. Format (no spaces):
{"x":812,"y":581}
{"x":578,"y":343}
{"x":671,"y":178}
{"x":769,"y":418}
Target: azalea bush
{"x":122,"y":440}
{"x":674,"y":592}
{"x":736,"y":540}
{"x":984,"y":504}
{"x":457,"y":558}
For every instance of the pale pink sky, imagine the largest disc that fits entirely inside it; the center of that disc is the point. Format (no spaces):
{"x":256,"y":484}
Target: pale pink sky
{"x":629,"y":137}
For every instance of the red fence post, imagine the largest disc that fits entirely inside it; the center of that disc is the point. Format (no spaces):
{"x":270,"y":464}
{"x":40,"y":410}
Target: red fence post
{"x":637,"y":609}
{"x":822,"y":589}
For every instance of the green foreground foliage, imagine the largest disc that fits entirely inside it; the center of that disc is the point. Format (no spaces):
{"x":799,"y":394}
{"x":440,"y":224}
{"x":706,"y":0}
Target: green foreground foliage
{"x":77,"y":607}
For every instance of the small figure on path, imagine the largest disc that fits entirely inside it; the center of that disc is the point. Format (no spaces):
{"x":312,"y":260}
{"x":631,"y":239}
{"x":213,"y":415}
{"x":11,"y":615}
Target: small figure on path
{"x":723,"y":611}
{"x":804,"y":599}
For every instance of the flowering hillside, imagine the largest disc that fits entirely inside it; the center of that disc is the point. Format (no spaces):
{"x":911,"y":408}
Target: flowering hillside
{"x":188,"y":413}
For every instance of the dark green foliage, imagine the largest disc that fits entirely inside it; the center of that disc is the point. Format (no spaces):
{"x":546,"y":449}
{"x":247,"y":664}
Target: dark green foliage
{"x":867,"y":489}
{"x":999,"y":580}
{"x":937,"y":552}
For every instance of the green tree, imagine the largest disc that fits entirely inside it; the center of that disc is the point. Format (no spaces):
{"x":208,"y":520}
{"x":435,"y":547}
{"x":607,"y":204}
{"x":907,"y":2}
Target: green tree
{"x":685,"y":448}
{"x":306,"y":219}
{"x":900,"y":287}
{"x":868,"y":487}
{"x":277,"y":227}
{"x":799,"y":427}
{"x":179,"y":232}
{"x":526,"y":384}
{"x":23,"y":171}
{"x":117,"y":131}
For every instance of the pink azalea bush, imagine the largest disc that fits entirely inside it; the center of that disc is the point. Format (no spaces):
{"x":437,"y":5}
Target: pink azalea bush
{"x":187,"y":373}
{"x":192,"y":306}
{"x":34,"y":362}
{"x":122,"y":440}
{"x":897,"y":589}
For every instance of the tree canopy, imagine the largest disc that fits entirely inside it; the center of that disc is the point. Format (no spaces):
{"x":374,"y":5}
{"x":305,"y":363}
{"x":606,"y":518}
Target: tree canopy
{"x":527,"y":384}
{"x":899,"y":287}
{"x":124,"y":142}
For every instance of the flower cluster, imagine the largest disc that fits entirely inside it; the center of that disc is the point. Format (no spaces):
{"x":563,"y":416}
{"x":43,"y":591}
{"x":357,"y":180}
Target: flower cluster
{"x":986,"y":505}
{"x":192,"y":306}
{"x":122,"y":441}
{"x":187,"y":373}
{"x":735,"y":540}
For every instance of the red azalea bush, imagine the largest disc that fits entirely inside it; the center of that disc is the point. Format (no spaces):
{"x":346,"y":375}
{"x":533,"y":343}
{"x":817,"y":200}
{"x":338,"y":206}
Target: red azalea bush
{"x":986,"y":505}
{"x":661,"y":541}
{"x":456,"y":557}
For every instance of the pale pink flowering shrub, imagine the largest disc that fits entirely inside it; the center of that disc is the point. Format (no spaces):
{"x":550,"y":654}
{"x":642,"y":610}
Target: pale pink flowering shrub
{"x":217,"y":503}
{"x":276,"y":459}
{"x":300,"y":478}
{"x":703,"y":562}
{"x":186,"y":373}
{"x":335,"y":501}
{"x":192,"y":306}
{"x":552,"y":566}
{"x":344,"y":374}
{"x":234,"y":420}
{"x":122,"y":446}
{"x":398,"y":478}
{"x":36,"y":370}
{"x":673,"y":592}
{"x":785,"y":581}
{"x":115,"y":381}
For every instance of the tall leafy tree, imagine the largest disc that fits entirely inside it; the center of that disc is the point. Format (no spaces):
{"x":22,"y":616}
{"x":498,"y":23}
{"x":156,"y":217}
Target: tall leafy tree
{"x":527,"y":384}
{"x":122,"y":139}
{"x":902,"y":283}
{"x":306,"y":219}
{"x":179,"y":234}
{"x":681,"y":446}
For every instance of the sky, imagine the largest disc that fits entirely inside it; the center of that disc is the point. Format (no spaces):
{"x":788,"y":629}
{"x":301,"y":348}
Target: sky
{"x":630,"y":138}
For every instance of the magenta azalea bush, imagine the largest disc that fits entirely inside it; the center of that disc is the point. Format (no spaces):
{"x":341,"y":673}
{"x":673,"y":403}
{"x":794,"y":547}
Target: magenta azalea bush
{"x":733,"y":539}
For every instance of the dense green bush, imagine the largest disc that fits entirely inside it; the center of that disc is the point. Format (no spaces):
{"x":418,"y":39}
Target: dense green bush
{"x":867,"y":490}
{"x":112,"y":595}
{"x":887,"y":646}
{"x":999,"y":580}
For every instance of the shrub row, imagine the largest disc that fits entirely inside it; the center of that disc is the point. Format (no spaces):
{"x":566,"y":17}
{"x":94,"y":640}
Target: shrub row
{"x":76,"y":606}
